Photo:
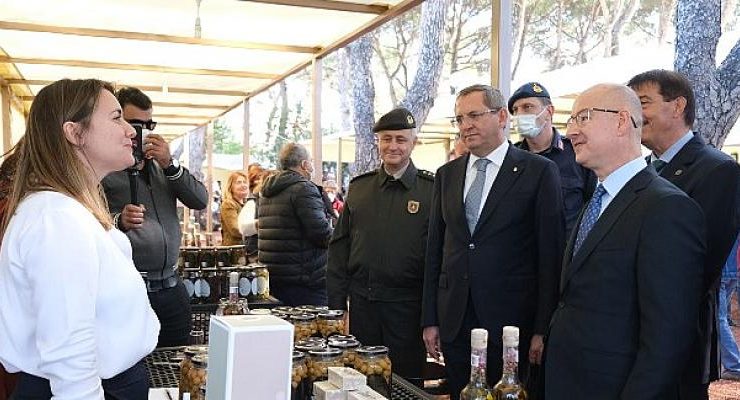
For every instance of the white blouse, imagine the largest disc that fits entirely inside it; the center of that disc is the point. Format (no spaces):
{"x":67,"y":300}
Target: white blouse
{"x":73,"y":308}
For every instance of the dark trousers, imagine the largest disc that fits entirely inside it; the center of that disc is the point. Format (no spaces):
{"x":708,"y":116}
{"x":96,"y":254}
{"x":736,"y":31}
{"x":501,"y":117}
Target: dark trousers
{"x":457,"y":355}
{"x":132,"y":384}
{"x":172,"y":306}
{"x":297,"y":295}
{"x":395,"y":324}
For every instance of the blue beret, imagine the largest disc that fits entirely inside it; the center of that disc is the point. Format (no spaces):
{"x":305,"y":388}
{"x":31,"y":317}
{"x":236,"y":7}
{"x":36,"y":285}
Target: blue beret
{"x":395,"y":120}
{"x":531,"y":89}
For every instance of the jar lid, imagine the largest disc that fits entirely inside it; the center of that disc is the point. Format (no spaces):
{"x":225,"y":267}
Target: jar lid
{"x":311,"y":309}
{"x":260,"y":311}
{"x":372,"y":350}
{"x":298,"y":355}
{"x":302,"y":317}
{"x":283,"y":309}
{"x":331,"y":314}
{"x":200,"y":361}
{"x":191,"y":269}
{"x":339,"y":336}
{"x":257,"y":265}
{"x":325,"y":353}
{"x":310,"y":344}
{"x":344,"y":343}
{"x":212,"y":269}
{"x":190,"y":351}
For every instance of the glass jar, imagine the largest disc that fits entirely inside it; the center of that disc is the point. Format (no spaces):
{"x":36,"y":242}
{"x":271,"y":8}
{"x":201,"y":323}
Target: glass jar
{"x":319,"y":362}
{"x":223,"y":279}
{"x":304,"y":326}
{"x":349,"y":350}
{"x":214,"y":285}
{"x":202,"y":288}
{"x":223,"y":256}
{"x":246,"y":275}
{"x":227,"y":307}
{"x":261,"y":282}
{"x":189,"y":257}
{"x":330,"y":322}
{"x":207,"y":257}
{"x":186,"y":365}
{"x":309,"y":344}
{"x":299,"y":389}
{"x":374,"y":363}
{"x":311,"y":309}
{"x":238,"y":256}
{"x":198,"y":375}
{"x":189,"y":277}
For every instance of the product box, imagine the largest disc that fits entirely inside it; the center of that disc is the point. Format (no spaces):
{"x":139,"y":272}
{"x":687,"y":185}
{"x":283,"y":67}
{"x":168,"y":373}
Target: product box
{"x":346,"y":378}
{"x":364,"y":393}
{"x":249,"y":357}
{"x":324,"y":390}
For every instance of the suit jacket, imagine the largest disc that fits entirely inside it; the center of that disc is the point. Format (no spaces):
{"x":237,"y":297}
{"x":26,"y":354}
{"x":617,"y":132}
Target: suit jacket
{"x":710,"y":177}
{"x":509,"y":266}
{"x":629,"y":298}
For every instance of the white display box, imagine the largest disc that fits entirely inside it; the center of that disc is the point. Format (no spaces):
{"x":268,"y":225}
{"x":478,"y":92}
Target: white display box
{"x":249,"y":358}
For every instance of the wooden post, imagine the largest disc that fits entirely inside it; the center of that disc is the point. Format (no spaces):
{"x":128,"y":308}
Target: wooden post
{"x":245,"y":133}
{"x":5,"y":95}
{"x":316,"y":120}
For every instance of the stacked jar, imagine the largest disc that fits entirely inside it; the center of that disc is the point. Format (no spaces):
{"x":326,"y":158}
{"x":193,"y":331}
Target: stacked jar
{"x":374,"y":363}
{"x":198,"y":375}
{"x":304,"y":326}
{"x":331,"y":322}
{"x":348,"y":347}
{"x":187,"y":365}
{"x":299,"y":389}
{"x":319,"y":362}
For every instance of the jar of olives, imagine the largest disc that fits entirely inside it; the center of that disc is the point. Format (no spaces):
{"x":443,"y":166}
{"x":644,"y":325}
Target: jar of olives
{"x":228,"y":307}
{"x":261,"y":282}
{"x":304,"y":326}
{"x":349,"y":350}
{"x":330,"y":322}
{"x":319,"y":362}
{"x":312,"y":343}
{"x":186,"y":365}
{"x":374,"y":363}
{"x":198,"y":375}
{"x":311,"y":309}
{"x":299,"y":389}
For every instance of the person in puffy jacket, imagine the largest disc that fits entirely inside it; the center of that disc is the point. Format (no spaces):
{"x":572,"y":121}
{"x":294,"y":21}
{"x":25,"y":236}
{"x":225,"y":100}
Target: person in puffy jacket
{"x":294,"y":230}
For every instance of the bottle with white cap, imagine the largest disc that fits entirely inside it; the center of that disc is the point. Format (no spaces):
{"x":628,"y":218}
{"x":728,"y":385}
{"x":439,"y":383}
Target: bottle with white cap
{"x":509,"y":387}
{"x":477,"y":388}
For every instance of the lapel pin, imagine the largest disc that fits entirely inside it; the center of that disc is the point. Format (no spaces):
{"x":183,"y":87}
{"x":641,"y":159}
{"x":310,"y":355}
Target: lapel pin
{"x":516,"y":169}
{"x":678,"y":172}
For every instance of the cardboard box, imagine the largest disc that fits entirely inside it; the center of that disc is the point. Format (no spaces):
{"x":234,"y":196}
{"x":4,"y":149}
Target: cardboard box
{"x":324,"y":390}
{"x":346,"y":378}
{"x":364,"y":393}
{"x":249,"y":357}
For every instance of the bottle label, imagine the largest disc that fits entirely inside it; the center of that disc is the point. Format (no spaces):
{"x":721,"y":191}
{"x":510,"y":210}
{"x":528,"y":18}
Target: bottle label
{"x":244,"y":287}
{"x":189,"y":287}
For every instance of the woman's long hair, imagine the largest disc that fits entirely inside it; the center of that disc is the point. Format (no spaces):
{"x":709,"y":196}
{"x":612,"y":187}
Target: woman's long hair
{"x":47,"y":160}
{"x":230,"y":182}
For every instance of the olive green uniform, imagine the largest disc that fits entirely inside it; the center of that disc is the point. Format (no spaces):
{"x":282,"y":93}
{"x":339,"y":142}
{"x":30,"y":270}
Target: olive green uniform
{"x":376,"y":259}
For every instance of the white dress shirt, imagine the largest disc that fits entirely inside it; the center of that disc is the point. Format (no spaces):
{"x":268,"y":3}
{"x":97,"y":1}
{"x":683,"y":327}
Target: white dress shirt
{"x":73,"y":308}
{"x":497,"y":158}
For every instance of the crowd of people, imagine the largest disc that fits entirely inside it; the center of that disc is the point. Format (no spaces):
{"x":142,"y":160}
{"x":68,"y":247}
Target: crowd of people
{"x":617,"y":268}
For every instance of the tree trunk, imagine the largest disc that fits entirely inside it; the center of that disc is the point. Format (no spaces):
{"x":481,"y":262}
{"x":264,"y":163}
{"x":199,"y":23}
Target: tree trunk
{"x":384,"y":64}
{"x":610,"y":16}
{"x":717,"y":90}
{"x":621,"y":17}
{"x":520,"y":26}
{"x":345,"y":91}
{"x":363,"y":95}
{"x":420,"y":96}
{"x":728,"y":13}
{"x":556,"y":59}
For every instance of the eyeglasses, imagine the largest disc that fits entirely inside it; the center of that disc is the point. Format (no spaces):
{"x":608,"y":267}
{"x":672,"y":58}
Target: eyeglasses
{"x":472,"y":116}
{"x":584,"y":116}
{"x":144,"y":124}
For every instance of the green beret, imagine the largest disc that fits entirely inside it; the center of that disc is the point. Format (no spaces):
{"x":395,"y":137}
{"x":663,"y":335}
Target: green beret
{"x":395,"y":120}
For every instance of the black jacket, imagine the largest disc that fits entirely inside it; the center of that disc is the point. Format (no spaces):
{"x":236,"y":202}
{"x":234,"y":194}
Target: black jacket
{"x":293,"y":230}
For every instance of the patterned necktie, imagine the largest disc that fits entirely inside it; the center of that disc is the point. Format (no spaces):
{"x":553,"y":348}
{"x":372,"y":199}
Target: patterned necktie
{"x":589,"y":217}
{"x":475,"y":193}
{"x":658,"y":164}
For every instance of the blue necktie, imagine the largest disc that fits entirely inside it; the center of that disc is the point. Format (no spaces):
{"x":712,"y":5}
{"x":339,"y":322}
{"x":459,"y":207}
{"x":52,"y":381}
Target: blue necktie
{"x":589,"y":217}
{"x":658,"y":164}
{"x":475,"y":193}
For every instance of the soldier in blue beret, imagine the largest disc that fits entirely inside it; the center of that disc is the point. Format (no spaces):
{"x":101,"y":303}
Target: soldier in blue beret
{"x":376,"y":256}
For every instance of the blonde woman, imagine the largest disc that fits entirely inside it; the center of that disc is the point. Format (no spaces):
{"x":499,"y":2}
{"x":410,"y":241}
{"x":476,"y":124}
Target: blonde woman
{"x":74,"y":315}
{"x":237,"y":189}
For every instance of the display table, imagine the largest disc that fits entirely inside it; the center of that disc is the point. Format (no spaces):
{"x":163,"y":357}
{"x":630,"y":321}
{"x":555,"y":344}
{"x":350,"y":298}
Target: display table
{"x":164,"y":374}
{"x":201,"y":313}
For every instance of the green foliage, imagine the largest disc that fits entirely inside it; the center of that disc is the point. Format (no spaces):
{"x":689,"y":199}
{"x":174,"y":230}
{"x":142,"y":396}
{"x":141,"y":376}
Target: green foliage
{"x":223,"y":139}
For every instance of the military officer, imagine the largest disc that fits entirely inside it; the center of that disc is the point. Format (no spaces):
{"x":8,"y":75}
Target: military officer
{"x":376,"y":256}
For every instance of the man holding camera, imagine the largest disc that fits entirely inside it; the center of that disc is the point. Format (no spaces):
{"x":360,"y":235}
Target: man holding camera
{"x":143,"y":201}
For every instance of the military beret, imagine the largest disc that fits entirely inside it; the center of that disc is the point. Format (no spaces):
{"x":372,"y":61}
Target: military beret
{"x":531,"y":89}
{"x":395,"y":120}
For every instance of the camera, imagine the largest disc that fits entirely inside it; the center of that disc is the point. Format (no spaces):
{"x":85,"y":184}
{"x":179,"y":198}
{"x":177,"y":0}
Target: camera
{"x":138,"y":142}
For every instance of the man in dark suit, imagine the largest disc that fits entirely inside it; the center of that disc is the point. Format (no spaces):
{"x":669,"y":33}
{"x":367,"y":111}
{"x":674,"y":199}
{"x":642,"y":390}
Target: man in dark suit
{"x":631,"y":282}
{"x":708,"y":176}
{"x":495,"y":242}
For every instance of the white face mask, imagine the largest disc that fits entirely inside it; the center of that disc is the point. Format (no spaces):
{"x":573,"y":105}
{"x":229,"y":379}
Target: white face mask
{"x":526,"y":124}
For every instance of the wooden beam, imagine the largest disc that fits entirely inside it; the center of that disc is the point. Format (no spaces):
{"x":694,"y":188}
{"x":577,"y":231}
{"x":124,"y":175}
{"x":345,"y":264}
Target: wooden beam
{"x":329,"y":5}
{"x":213,"y":92}
{"x":180,"y":124}
{"x":190,"y":105}
{"x":138,"y":67}
{"x":186,"y":116}
{"x":152,"y":37}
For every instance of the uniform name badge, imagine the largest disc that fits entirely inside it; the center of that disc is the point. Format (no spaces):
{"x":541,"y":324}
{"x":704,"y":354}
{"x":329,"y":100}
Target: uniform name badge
{"x":412,"y":207}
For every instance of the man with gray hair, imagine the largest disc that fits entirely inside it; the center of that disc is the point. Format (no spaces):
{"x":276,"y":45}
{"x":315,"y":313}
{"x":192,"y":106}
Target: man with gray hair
{"x":294,"y":230}
{"x":632,"y":272}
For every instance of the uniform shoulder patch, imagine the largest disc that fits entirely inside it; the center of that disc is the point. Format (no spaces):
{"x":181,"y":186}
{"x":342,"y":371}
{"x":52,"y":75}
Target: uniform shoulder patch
{"x":369,"y":173}
{"x":428,"y":175}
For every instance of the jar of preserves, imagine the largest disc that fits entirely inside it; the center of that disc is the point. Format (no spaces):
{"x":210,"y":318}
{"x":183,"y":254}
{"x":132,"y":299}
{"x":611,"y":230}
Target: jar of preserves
{"x":319,"y":362}
{"x":198,"y":375}
{"x":349,"y":350}
{"x":223,"y":256}
{"x":304,"y":326}
{"x":299,"y":389}
{"x":228,"y":307}
{"x":330,"y":322}
{"x":260,"y":282}
{"x":189,"y":257}
{"x":207,"y":257}
{"x":374,"y":363}
{"x":238,"y":255}
{"x":186,"y":365}
{"x":309,"y":344}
